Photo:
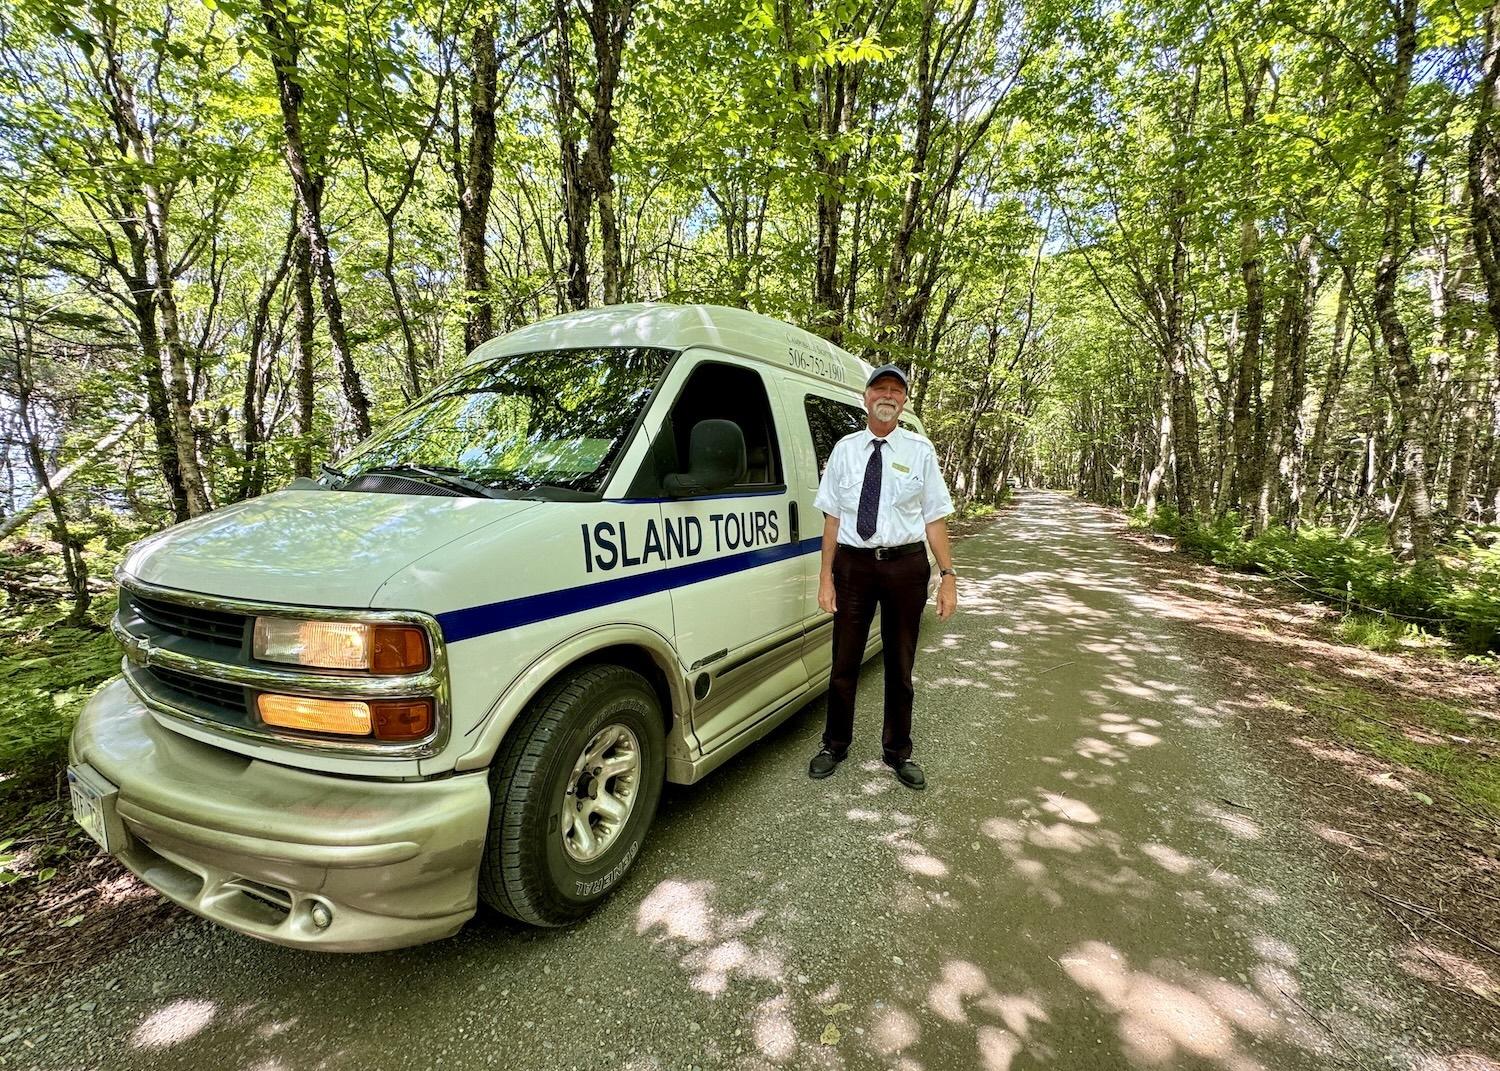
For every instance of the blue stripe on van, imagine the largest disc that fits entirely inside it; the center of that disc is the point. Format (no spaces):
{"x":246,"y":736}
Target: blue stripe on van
{"x":494,"y":617}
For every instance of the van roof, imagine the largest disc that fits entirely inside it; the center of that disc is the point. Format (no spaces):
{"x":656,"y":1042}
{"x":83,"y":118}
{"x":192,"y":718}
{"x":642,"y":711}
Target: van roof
{"x":678,"y":327}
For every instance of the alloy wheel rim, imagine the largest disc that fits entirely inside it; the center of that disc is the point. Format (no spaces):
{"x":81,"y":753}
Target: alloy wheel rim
{"x":599,"y":795}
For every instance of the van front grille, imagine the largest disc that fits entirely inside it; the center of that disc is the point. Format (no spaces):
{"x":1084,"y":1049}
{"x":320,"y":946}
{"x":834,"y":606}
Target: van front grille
{"x":202,"y":690}
{"x":217,"y":627}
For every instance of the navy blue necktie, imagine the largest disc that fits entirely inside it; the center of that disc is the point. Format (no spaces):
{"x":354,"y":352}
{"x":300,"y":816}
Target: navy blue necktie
{"x":869,"y":496}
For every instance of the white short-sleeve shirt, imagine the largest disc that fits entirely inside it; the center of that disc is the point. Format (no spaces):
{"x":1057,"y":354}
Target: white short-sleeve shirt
{"x":912,"y":491}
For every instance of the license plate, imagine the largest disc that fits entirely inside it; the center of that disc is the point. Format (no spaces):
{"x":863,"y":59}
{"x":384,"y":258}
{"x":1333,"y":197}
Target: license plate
{"x":92,"y":799}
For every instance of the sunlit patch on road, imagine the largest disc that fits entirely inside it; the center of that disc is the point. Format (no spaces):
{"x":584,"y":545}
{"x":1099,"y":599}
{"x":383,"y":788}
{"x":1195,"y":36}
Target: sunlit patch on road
{"x":1235,"y":823}
{"x":173,"y":1024}
{"x":892,"y":1029}
{"x":1158,"y":1021}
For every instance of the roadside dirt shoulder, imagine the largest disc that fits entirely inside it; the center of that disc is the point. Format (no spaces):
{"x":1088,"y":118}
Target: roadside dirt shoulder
{"x":79,"y":907}
{"x":1384,"y":751}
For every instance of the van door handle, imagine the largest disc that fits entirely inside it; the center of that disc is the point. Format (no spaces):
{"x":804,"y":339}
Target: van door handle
{"x":793,"y":512}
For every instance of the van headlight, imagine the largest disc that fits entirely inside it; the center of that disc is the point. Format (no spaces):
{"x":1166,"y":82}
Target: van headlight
{"x":371,"y":648}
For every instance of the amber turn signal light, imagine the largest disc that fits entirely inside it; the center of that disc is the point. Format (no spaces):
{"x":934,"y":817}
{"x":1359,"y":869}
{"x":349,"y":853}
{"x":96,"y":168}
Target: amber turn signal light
{"x":398,"y":649}
{"x":343,"y":716}
{"x":385,"y":719}
{"x":402,"y":719}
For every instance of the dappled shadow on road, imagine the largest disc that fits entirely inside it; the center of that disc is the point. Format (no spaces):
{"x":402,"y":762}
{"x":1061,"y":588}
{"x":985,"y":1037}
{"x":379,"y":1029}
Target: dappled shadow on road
{"x":1378,"y":746}
{"x":1098,"y":877}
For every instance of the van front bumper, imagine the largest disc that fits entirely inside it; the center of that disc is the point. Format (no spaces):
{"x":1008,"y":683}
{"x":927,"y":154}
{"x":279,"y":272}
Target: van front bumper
{"x":288,"y":855}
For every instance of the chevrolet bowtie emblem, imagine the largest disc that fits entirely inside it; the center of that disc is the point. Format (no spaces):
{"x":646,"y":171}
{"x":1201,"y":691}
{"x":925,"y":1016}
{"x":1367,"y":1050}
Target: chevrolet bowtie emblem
{"x":140,"y":651}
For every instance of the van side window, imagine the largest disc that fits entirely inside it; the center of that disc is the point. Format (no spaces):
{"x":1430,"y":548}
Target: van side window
{"x":829,"y":421}
{"x":722,"y":392}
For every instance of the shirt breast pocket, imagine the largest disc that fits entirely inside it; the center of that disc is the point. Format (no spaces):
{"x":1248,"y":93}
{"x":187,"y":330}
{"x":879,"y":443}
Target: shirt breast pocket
{"x":906,"y":488}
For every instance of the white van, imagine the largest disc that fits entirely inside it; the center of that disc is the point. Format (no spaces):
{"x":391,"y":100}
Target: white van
{"x":461,"y":664}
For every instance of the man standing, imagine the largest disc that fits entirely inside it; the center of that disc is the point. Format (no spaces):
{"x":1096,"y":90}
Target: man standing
{"x":880,"y":494}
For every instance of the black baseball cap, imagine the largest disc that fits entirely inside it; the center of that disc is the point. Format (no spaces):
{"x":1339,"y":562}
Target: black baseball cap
{"x":889,"y":370}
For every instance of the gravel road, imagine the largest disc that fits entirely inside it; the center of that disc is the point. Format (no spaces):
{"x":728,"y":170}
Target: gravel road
{"x":1099,"y":876}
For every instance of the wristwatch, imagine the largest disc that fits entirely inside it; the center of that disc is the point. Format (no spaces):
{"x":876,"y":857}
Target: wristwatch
{"x":946,"y":572}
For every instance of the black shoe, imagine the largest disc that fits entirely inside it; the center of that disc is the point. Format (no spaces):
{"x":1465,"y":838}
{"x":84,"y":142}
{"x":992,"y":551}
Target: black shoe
{"x":825,"y":762}
{"x":909,"y":773}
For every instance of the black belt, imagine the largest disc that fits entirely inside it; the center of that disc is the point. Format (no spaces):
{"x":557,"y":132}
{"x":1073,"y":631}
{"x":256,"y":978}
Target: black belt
{"x":881,"y":554}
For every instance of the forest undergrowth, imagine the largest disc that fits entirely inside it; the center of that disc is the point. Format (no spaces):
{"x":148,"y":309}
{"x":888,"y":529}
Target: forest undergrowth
{"x":1386,"y":599}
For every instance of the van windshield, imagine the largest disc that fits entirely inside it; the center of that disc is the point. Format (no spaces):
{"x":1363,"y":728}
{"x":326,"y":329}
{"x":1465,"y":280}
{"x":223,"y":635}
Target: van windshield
{"x":546,"y":424}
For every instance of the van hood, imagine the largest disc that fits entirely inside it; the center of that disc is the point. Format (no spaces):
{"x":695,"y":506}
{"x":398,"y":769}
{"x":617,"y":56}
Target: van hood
{"x":311,"y":547}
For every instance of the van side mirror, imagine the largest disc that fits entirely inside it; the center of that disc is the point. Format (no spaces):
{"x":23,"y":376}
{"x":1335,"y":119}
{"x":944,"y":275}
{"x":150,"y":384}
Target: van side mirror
{"x":716,"y":459}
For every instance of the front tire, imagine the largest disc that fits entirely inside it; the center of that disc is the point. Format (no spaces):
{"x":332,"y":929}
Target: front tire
{"x":573,"y":791}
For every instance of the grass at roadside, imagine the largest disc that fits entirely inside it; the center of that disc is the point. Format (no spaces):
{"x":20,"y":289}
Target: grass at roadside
{"x":973,"y":515}
{"x":63,"y":902}
{"x":1459,"y":751}
{"x":1380,"y":632}
{"x":1443,"y":750}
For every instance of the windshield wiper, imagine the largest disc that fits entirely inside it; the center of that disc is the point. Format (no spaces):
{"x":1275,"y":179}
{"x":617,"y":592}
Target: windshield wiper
{"x":551,"y":492}
{"x":330,"y":470}
{"x":441,"y":476}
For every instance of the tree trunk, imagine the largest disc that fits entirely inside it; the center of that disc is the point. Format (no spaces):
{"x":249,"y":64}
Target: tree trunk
{"x":1460,"y":471}
{"x":403,"y":318}
{"x":1294,"y":427}
{"x":1151,"y":485}
{"x":1184,"y":424}
{"x":1490,"y":510}
{"x":123,"y":206}
{"x":836,"y":88}
{"x":303,"y":373}
{"x":1484,"y":208}
{"x":309,"y":185}
{"x":1247,"y":372}
{"x":609,"y":24}
{"x":888,"y":321}
{"x":54,"y":482}
{"x":1333,"y":378}
{"x":1393,"y":251}
{"x":577,"y":198}
{"x":143,"y":305}
{"x":252,"y":475}
{"x":75,"y":569}
{"x":157,"y":203}
{"x":478,"y":186}
{"x":1288,"y":384}
{"x":180,"y":392}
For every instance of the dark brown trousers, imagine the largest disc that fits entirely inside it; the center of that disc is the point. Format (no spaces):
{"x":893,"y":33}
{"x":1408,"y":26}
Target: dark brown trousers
{"x":898,"y":588}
